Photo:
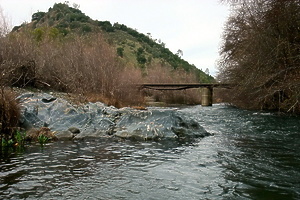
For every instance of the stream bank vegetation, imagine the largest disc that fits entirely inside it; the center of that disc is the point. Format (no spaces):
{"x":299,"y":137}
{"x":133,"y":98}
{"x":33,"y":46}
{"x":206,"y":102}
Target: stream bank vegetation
{"x":261,"y":54}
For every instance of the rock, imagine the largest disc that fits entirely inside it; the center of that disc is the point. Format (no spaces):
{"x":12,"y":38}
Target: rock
{"x":92,"y":134}
{"x":157,"y":124}
{"x":98,"y":120}
{"x":64,"y":135}
{"x":74,"y":130}
{"x":60,"y":115}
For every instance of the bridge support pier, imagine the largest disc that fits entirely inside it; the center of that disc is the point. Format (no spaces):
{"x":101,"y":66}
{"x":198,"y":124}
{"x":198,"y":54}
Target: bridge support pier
{"x":206,"y":96}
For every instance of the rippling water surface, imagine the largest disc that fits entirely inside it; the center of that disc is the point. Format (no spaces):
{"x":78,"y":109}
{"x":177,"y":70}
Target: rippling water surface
{"x":250,"y":156}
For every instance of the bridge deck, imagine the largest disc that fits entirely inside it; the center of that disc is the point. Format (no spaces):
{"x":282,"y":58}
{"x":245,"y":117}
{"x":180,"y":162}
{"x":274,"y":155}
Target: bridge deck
{"x":183,"y":86}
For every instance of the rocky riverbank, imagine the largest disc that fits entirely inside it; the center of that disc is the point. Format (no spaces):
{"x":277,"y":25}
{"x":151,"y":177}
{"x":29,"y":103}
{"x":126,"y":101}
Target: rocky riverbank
{"x":70,"y":121}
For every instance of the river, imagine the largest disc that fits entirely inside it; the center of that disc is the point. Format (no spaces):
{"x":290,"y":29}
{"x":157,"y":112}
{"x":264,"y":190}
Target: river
{"x":251,"y":155}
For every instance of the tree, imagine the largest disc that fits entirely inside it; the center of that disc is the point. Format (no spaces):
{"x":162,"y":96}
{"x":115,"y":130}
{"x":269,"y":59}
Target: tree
{"x":120,"y":52}
{"x":76,"y":6}
{"x":149,"y":35}
{"x":4,"y":26}
{"x":140,"y":56}
{"x":207,"y":71}
{"x":179,"y":53}
{"x":260,"y":53}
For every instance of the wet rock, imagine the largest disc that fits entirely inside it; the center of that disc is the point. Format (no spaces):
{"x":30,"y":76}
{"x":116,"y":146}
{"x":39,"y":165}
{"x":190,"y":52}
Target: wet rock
{"x":60,"y":115}
{"x":98,"y":120}
{"x":64,"y":135}
{"x":92,"y":134}
{"x":74,"y":130}
{"x":157,"y":124}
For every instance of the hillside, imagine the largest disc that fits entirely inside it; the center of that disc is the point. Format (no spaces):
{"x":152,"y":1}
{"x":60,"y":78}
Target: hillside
{"x":133,"y":48}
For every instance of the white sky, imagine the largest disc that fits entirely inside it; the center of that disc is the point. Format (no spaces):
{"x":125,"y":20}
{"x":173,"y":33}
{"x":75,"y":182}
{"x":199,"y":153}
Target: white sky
{"x":194,"y":26}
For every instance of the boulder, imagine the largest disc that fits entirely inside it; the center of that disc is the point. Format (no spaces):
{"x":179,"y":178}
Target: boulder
{"x":74,"y":130}
{"x":156,"y":124}
{"x":64,"y":135}
{"x":39,"y":109}
{"x":98,"y":120}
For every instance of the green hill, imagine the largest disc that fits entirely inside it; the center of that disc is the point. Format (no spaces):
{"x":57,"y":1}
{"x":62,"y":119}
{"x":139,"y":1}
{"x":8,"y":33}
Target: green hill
{"x":132,"y":47}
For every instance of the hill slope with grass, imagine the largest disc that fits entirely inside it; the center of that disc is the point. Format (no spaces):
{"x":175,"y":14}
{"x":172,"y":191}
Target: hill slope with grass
{"x":133,"y":48}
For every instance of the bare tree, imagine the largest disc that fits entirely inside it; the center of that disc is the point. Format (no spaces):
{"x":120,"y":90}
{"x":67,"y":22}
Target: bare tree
{"x":260,"y":53}
{"x":4,"y":25}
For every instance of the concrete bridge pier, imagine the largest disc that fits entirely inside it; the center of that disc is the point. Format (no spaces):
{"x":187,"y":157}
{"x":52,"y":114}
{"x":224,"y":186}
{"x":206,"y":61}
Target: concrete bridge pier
{"x":206,"y":96}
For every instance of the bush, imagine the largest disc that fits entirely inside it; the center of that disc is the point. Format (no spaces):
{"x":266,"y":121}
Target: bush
{"x":37,"y":16}
{"x":86,"y":28}
{"x":9,"y":114}
{"x":120,"y":52}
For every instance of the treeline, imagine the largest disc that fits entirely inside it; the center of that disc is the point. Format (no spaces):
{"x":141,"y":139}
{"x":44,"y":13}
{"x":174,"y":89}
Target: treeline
{"x":260,"y":53}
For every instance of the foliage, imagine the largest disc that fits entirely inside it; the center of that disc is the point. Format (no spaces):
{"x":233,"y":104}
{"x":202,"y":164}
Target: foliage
{"x":7,"y":143}
{"x":42,"y":139}
{"x":106,"y":26}
{"x":86,"y":29}
{"x":38,"y":16}
{"x":20,"y":138}
{"x":38,"y":34}
{"x":120,"y":52}
{"x":260,"y":53}
{"x":140,"y":56}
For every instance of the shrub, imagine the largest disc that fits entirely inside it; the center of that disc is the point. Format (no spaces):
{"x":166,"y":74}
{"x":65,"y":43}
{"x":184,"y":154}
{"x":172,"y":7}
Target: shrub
{"x":9,"y":114}
{"x":43,"y":134}
{"x":120,"y":51}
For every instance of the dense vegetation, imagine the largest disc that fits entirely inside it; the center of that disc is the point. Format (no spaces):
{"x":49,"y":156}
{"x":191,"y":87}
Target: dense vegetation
{"x":261,"y":53}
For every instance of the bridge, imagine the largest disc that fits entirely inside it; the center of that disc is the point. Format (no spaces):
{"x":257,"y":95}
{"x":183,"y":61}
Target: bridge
{"x":207,"y":89}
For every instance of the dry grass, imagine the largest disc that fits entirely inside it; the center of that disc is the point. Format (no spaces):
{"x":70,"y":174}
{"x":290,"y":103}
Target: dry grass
{"x":9,"y":113}
{"x":34,"y":134}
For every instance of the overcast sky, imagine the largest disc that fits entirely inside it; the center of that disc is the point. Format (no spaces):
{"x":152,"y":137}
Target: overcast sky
{"x":193,"y":26}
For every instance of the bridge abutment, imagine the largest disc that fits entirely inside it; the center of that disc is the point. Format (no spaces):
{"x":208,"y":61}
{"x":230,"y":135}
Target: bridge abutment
{"x":206,"y":96}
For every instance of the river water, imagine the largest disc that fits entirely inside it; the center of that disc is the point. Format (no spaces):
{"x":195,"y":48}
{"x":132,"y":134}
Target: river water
{"x":251,"y":155}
